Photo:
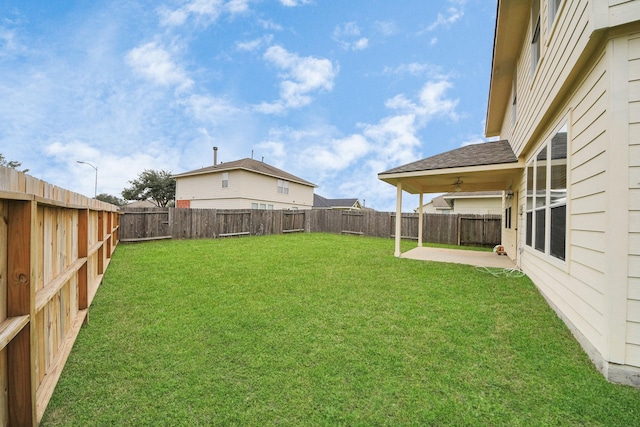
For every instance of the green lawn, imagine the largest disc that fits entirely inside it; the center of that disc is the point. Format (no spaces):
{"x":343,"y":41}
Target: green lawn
{"x":323,"y":330}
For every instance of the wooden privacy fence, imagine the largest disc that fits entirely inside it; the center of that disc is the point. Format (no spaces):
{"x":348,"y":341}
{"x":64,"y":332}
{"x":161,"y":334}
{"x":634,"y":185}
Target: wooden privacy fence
{"x":141,"y":224}
{"x":55,"y":247}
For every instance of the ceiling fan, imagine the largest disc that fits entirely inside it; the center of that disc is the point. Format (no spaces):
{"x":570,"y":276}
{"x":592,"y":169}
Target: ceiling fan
{"x":458,"y":184}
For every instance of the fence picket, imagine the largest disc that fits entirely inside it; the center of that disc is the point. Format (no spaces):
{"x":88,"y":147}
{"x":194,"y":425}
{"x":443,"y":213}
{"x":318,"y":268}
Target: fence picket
{"x":57,"y":246}
{"x":479,"y":230}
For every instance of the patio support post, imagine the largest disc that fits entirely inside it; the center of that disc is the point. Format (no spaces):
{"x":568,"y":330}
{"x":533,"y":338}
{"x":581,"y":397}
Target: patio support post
{"x":398,"y":219}
{"x":420,"y":222}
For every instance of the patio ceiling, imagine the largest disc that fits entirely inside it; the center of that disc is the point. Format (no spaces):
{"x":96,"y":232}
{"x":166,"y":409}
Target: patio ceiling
{"x":486,"y":178}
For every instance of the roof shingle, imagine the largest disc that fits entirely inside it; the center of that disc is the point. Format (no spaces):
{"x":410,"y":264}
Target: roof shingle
{"x":488,"y":153}
{"x":250,"y":165}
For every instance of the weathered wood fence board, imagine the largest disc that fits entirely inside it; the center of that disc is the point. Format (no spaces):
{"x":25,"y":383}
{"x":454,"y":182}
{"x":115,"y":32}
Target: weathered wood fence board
{"x":476,"y":230}
{"x":55,"y":247}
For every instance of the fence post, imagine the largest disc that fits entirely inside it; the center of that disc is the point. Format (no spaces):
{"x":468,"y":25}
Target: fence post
{"x":83,"y":252}
{"x":21,"y":265}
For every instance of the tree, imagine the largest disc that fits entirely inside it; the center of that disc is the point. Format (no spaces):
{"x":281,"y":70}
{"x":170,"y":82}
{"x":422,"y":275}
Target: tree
{"x":108,"y":198}
{"x":157,"y":186}
{"x":11,"y":163}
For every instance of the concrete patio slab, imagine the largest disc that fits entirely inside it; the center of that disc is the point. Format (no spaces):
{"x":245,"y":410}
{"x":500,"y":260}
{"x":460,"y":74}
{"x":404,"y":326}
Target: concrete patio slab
{"x":459,"y":256}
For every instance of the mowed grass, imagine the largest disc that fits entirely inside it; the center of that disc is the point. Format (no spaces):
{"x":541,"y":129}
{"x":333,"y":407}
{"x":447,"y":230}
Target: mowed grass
{"x":323,"y":330}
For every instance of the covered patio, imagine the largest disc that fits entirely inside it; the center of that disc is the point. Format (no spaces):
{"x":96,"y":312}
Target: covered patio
{"x":457,"y":256}
{"x":491,"y":166}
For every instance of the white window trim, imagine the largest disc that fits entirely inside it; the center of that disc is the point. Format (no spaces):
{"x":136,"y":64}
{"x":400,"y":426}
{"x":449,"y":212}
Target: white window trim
{"x":552,"y":20}
{"x":283,"y":186}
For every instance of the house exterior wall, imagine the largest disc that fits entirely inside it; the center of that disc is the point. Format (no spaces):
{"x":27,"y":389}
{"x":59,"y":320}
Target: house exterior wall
{"x":590,"y":80}
{"x":632,"y":338}
{"x":468,"y":205}
{"x":244,"y":189}
{"x":480,"y":206}
{"x":430,"y":209}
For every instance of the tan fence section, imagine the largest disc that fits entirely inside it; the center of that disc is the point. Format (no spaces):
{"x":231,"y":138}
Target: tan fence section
{"x":140,"y":224}
{"x":55,"y":247}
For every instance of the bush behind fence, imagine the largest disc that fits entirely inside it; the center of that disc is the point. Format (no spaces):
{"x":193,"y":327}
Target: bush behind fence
{"x":139,"y":224}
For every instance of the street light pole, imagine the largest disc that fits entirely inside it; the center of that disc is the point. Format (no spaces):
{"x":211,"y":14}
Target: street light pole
{"x":95,"y":191}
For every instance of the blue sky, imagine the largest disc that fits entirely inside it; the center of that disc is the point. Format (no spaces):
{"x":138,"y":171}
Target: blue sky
{"x":334,"y":92}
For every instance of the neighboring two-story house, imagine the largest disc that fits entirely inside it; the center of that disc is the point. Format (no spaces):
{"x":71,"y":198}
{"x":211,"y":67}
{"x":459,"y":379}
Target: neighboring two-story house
{"x":242,"y":184}
{"x":565,"y":102}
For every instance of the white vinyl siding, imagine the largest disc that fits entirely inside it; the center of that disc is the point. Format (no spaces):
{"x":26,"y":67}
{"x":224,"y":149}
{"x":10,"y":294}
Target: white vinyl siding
{"x":558,"y":57}
{"x":592,"y":84}
{"x":632,"y":350}
{"x":578,"y":287}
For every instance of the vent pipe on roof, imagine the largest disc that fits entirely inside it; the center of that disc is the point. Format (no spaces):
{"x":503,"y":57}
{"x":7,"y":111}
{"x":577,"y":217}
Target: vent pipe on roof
{"x":215,"y":156}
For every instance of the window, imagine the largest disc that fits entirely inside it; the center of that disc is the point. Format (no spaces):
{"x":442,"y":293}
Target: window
{"x":270,"y":207}
{"x":507,"y":218}
{"x":254,"y":206}
{"x":535,"y":35}
{"x":225,"y":179}
{"x":554,"y":5}
{"x":546,"y":200}
{"x":263,"y":206}
{"x":283,"y":186}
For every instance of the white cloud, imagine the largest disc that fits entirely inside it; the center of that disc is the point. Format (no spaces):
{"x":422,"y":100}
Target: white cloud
{"x":431,"y":102}
{"x":348,"y":37}
{"x":9,"y":44}
{"x":300,"y":76}
{"x":292,"y":3}
{"x":255,"y":44}
{"x":114,"y":171}
{"x":395,"y":138}
{"x":156,"y":64}
{"x":276,"y":148}
{"x":210,"y":109}
{"x":386,"y":28}
{"x":338,"y":154}
{"x":235,"y":7}
{"x":360,"y":44}
{"x":454,"y":12}
{"x":269,"y":25}
{"x":203,"y":12}
{"x":414,"y":68}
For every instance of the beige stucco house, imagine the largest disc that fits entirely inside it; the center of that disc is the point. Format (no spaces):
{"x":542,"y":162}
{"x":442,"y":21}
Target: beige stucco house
{"x":565,"y":102}
{"x":242,"y":184}
{"x":465,"y":202}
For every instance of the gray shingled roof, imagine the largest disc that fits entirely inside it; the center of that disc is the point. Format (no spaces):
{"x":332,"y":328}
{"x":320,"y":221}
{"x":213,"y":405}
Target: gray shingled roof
{"x":489,"y":153}
{"x":321,"y":202}
{"x":440,"y":203}
{"x":249,"y":165}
